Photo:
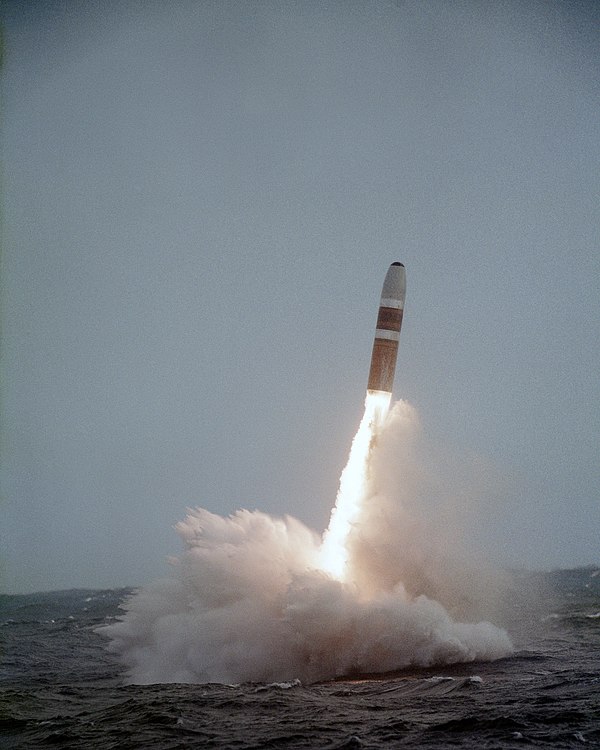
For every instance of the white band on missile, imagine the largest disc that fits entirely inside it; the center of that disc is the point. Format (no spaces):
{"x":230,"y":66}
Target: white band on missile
{"x":381,"y":333}
{"x":397,"y":304}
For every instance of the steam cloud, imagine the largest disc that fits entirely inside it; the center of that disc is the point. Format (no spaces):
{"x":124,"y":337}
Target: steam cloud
{"x":246,"y":600}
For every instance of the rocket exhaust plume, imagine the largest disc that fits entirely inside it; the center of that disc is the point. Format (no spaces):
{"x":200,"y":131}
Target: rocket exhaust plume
{"x":353,"y":482}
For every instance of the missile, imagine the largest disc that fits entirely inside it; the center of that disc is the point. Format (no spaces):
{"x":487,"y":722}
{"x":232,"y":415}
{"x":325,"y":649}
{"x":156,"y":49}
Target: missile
{"x":387,"y":332}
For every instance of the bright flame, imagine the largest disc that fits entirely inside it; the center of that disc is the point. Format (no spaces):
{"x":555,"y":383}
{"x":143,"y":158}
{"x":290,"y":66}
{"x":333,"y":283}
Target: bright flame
{"x":333,"y":552}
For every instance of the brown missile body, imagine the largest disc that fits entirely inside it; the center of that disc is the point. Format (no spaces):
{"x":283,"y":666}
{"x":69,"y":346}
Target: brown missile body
{"x":387,"y":332}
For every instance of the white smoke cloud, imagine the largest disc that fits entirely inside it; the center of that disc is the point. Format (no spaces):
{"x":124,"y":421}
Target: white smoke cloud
{"x":246,"y":600}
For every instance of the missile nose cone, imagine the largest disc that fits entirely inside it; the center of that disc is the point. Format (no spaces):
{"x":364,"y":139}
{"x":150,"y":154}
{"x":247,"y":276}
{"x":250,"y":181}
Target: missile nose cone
{"x":394,"y":286}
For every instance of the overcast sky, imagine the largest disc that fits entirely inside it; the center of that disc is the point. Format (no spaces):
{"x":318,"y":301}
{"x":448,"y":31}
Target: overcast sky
{"x":200,"y":202}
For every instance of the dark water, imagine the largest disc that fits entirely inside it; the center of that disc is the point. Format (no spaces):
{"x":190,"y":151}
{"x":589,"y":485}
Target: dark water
{"x":60,"y":688}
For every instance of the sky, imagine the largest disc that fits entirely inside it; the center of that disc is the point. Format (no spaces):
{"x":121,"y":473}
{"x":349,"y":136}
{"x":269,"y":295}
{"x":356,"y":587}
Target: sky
{"x":200,"y":201}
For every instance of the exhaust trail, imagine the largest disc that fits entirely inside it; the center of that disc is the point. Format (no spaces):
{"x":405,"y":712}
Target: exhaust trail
{"x":333,"y":556}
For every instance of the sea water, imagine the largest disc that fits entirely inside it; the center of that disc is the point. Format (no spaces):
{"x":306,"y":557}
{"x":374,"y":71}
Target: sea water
{"x":60,"y":687}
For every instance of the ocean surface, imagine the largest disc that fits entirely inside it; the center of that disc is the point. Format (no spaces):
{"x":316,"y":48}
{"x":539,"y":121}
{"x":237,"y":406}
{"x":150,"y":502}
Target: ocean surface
{"x":59,"y":687}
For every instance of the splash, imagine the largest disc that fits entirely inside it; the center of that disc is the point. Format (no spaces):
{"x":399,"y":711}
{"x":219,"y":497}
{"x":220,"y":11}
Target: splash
{"x":263,"y":599}
{"x":333,"y":556}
